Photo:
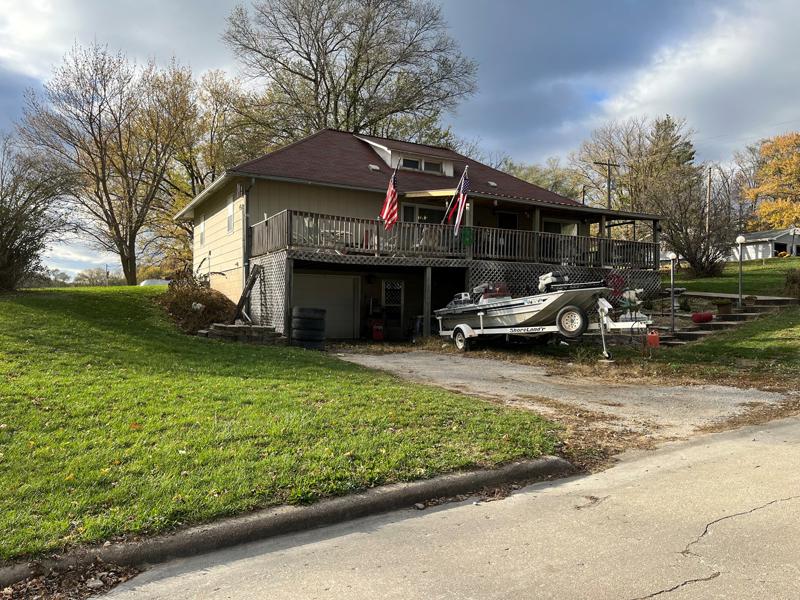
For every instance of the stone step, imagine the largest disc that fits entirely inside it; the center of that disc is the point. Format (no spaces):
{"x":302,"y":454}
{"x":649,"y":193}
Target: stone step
{"x":692,"y":334}
{"x":673,"y":343}
{"x":242,"y":328}
{"x":739,"y":316}
{"x":717,"y":325}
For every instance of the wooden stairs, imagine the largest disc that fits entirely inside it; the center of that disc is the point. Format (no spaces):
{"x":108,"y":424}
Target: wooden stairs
{"x":695,"y":332}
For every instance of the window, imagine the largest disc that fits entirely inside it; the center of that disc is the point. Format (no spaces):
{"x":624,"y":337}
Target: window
{"x":411,"y":163}
{"x":393,"y":303}
{"x":507,"y":220}
{"x":414,"y":213}
{"x":418,"y":164}
{"x":230,"y":215}
{"x":201,"y":230}
{"x":561,"y":227}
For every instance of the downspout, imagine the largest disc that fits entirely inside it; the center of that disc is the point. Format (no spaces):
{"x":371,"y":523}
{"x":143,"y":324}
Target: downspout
{"x":246,"y":232}
{"x":246,"y":240}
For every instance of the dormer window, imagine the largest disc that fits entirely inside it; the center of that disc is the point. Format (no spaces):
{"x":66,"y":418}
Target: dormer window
{"x":423,"y":164}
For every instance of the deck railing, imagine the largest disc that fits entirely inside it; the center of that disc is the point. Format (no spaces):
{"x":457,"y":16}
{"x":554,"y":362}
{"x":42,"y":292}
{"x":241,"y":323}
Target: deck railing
{"x":351,"y":235}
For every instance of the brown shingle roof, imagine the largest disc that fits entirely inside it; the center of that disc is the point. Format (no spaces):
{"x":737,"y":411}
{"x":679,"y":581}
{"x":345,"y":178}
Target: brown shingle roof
{"x":342,"y":159}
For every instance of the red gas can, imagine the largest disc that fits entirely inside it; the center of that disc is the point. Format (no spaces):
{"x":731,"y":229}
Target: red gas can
{"x":653,"y":338}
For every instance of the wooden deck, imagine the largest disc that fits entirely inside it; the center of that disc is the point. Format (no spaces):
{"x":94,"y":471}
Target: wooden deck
{"x":346,"y":235}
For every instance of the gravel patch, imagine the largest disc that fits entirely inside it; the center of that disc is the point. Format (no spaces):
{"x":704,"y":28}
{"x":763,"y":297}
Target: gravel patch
{"x":658,"y":411}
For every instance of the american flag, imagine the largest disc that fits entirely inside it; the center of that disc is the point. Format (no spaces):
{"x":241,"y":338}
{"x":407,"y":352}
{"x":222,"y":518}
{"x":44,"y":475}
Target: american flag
{"x":459,"y":201}
{"x":390,"y":210}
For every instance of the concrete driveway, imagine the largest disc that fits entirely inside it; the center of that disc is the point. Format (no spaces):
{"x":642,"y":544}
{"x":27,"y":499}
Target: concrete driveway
{"x":715,"y":517}
{"x":658,"y":412}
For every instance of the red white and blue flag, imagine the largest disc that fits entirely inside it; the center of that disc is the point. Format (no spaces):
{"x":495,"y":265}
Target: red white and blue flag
{"x":391,"y":209}
{"x":459,"y":202}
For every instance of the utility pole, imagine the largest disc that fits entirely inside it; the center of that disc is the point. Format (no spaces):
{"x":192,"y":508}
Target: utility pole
{"x":708,"y":202}
{"x":608,"y":164}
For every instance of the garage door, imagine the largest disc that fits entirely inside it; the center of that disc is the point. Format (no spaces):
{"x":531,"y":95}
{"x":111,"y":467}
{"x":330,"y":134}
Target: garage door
{"x":337,"y":294}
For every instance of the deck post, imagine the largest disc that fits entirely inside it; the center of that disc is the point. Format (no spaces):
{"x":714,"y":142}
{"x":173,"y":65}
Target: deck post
{"x":288,"y":229}
{"x":426,"y":304}
{"x":287,"y":299}
{"x":537,"y":227}
{"x":469,"y":251}
{"x":656,"y":246}
{"x":602,"y":240}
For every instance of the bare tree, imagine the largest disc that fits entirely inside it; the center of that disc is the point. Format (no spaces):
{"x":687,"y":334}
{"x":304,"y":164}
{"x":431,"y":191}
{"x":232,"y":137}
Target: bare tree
{"x":682,"y":199}
{"x":357,"y":65}
{"x":114,"y":125}
{"x":646,"y":150}
{"x":552,"y":176}
{"x":30,"y":215}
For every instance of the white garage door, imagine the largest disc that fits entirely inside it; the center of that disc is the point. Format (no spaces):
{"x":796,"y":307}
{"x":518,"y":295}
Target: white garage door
{"x":337,"y":294}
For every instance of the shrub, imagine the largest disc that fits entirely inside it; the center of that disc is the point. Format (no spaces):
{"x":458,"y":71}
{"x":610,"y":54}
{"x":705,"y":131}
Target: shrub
{"x":793,"y":283}
{"x":195,"y":306}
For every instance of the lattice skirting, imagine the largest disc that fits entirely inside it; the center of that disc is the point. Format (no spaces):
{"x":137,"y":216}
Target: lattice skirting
{"x":523,"y":278}
{"x":267,"y":299}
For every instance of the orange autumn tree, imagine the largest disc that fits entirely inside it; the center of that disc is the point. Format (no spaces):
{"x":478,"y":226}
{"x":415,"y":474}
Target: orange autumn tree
{"x":777,"y":183}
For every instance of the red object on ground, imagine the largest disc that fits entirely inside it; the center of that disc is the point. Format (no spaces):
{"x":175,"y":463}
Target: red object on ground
{"x":377,"y":332}
{"x":702,"y":317}
{"x":653,"y":338}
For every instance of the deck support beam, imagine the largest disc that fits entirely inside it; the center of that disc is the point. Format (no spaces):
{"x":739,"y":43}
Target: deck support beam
{"x":602,"y":234}
{"x":287,"y":299}
{"x":426,"y":304}
{"x":469,"y":250}
{"x":656,"y":245}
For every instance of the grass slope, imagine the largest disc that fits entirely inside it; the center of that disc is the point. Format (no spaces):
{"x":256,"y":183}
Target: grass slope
{"x":764,"y":352}
{"x":113,"y":423}
{"x":766,"y":279}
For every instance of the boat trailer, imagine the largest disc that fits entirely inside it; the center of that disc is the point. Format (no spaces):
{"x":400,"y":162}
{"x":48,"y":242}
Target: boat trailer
{"x":463,"y":334}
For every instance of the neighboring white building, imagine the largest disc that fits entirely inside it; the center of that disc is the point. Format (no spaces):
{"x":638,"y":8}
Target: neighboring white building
{"x":767,"y":244}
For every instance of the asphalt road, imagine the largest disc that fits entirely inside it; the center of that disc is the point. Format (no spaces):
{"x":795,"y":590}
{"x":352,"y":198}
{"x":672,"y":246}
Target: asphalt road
{"x":715,"y":517}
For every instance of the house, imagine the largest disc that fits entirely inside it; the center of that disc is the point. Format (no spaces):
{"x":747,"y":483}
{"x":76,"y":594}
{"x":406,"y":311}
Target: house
{"x":307,"y":214}
{"x":767,"y":244}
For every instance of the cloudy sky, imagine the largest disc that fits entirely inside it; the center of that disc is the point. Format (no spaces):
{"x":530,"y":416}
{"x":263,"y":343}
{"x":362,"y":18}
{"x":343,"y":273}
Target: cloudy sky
{"x":548,"y":71}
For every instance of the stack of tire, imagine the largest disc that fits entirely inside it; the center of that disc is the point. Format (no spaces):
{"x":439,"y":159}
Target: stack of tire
{"x":308,"y":327}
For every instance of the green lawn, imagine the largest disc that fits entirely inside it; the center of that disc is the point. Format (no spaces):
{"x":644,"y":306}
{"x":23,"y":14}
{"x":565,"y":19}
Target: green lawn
{"x":760,"y":278}
{"x":114,"y":423}
{"x":767,"y":349}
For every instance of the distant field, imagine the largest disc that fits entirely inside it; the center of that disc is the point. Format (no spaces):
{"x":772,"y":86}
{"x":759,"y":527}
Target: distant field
{"x":766,"y":277}
{"x":114,"y":423}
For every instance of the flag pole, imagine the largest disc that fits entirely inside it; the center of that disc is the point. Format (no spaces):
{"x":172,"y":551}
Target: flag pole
{"x":455,"y":195}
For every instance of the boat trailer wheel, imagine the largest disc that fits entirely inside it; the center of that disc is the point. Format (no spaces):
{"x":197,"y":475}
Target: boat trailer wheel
{"x":461,"y":340}
{"x":572,"y":321}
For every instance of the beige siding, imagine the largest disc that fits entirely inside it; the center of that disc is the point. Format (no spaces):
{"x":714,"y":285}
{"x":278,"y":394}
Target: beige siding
{"x":271,"y":197}
{"x":222,"y":250}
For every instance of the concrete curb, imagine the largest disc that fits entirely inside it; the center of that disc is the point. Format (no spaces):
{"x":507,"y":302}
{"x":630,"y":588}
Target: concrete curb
{"x":287,"y":519}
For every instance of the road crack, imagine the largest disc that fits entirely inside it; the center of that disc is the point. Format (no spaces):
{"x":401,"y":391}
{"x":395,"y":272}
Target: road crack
{"x":706,"y":530}
{"x":710,"y":524}
{"x":714,"y":575}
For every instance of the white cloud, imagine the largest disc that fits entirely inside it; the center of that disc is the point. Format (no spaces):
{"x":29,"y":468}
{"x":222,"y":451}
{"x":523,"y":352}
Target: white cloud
{"x":74,"y":256}
{"x":734,"y":83}
{"x":37,"y":33}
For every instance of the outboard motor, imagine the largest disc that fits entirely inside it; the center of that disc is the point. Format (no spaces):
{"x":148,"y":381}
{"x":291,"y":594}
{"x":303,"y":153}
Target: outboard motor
{"x":547,"y":280}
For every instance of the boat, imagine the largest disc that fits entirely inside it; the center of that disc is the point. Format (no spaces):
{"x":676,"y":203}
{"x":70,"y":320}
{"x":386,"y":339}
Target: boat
{"x":490,"y":306}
